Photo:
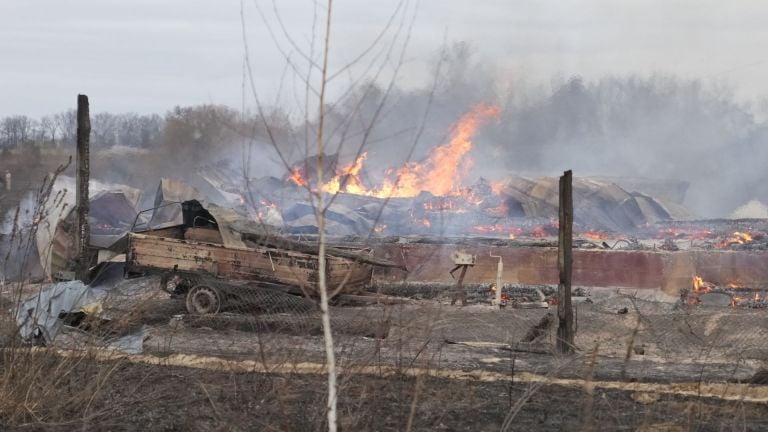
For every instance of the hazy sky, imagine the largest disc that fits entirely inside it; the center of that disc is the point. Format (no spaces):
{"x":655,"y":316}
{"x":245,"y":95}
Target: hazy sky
{"x":147,"y":56}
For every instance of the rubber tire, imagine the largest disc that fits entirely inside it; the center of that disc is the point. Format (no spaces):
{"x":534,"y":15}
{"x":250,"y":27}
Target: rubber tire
{"x":203,"y":299}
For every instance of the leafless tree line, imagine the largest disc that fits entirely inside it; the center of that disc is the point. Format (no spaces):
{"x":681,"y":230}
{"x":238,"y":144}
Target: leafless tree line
{"x":58,"y":130}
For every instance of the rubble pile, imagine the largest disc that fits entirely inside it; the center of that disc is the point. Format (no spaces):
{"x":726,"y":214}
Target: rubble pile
{"x":730,"y":234}
{"x":514,"y":207}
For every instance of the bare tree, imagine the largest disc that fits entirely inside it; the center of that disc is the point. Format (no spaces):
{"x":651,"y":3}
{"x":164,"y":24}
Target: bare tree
{"x":48,"y":130}
{"x":104,"y":129}
{"x":66,"y":123}
{"x":315,"y":75}
{"x":16,"y":130}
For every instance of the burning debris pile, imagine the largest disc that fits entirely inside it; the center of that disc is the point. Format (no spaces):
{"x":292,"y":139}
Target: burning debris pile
{"x":433,"y":196}
{"x":732,"y":294}
{"x":728,"y":234}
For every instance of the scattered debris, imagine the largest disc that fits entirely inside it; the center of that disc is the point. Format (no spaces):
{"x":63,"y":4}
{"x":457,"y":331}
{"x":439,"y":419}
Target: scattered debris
{"x":107,"y":312}
{"x":669,"y":245}
{"x":38,"y":318}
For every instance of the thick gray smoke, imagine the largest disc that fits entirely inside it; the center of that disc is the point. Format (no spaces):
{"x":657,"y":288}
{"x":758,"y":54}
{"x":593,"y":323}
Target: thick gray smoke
{"x":15,"y":241}
{"x":26,"y":211}
{"x":658,"y":127}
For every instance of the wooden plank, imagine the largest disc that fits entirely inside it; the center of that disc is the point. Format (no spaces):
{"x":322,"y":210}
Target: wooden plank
{"x":283,"y":243}
{"x":205,"y":235}
{"x":176,"y":232}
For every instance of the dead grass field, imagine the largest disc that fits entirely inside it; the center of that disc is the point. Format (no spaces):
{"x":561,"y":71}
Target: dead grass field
{"x":435,"y":368}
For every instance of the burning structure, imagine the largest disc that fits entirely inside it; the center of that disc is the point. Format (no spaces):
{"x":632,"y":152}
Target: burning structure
{"x":433,"y":197}
{"x":243,"y":255}
{"x":630,"y":233}
{"x":410,"y":213}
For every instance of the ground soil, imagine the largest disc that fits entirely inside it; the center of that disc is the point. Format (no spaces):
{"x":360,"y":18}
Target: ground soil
{"x":141,"y":397}
{"x":381,"y":349}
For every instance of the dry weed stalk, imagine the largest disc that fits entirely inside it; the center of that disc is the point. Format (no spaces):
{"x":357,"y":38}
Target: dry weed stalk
{"x":40,"y":386}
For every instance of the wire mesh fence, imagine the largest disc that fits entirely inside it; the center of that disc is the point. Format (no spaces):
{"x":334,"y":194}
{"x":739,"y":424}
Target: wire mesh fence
{"x":404,"y":352}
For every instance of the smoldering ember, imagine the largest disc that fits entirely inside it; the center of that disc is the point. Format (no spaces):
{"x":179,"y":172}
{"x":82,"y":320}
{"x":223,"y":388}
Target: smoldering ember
{"x":454,"y":257}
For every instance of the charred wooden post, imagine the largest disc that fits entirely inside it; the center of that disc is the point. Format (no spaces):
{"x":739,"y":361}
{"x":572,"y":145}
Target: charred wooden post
{"x":82,"y":232}
{"x":565,"y":332}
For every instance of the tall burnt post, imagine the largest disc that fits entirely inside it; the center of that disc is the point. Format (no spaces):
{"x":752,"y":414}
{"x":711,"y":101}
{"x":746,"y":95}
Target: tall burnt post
{"x":565,"y":332}
{"x":82,"y":230}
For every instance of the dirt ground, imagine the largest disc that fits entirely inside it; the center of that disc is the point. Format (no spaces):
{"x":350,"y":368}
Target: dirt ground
{"x":436,"y":366}
{"x":158,"y":398}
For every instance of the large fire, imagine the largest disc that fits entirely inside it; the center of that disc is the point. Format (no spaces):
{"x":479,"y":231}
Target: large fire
{"x":440,"y":174}
{"x":441,"y":177}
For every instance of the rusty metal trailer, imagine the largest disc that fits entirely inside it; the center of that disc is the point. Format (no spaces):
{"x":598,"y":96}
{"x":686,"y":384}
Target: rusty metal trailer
{"x":212,"y":263}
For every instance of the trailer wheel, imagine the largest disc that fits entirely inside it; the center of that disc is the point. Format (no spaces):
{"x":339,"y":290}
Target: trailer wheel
{"x":203,"y":299}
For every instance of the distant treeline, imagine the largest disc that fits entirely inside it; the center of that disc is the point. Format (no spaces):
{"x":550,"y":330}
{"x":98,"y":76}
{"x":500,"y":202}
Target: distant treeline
{"x":194,"y":129}
{"x":108,"y":129}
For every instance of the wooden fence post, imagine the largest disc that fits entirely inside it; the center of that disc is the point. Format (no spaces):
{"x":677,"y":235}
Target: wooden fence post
{"x":565,"y":333}
{"x":83,"y":232}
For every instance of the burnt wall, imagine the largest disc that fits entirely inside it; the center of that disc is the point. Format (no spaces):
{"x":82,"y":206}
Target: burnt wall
{"x":669,"y":271}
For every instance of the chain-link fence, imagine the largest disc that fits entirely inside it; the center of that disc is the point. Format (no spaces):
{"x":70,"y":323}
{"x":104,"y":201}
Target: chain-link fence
{"x":251,"y":355}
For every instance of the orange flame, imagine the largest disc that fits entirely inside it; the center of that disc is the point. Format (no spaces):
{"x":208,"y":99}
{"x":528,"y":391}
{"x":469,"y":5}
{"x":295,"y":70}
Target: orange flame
{"x":595,"y":235}
{"x":738,"y":238}
{"x":297,"y":178}
{"x":440,"y":174}
{"x":348,"y":177}
{"x":701,"y":286}
{"x":697,"y":283}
